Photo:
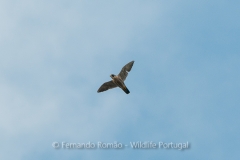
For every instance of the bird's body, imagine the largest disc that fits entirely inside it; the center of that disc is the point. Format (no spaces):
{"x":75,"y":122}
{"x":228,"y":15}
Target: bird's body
{"x":118,"y":80}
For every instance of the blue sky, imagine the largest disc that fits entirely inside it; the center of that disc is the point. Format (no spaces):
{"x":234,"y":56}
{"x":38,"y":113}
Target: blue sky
{"x":184,"y":83}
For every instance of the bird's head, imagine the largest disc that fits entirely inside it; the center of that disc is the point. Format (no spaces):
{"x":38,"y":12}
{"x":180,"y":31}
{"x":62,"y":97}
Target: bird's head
{"x":112,"y":75}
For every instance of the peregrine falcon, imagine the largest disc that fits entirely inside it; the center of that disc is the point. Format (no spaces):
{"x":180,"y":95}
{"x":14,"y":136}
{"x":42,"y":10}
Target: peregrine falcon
{"x":118,"y":81}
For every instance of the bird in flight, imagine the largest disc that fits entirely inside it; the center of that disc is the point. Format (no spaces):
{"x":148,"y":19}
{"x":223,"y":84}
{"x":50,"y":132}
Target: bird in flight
{"x":118,"y":80}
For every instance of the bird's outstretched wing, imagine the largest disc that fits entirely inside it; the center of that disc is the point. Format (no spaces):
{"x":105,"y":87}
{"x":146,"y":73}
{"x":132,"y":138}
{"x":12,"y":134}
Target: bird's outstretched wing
{"x":107,"y":85}
{"x":124,"y":72}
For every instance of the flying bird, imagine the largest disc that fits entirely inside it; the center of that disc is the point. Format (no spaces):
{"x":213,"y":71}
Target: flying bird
{"x":118,"y":80}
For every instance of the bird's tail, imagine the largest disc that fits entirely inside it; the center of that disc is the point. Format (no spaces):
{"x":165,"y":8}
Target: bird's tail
{"x":125,"y":89}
